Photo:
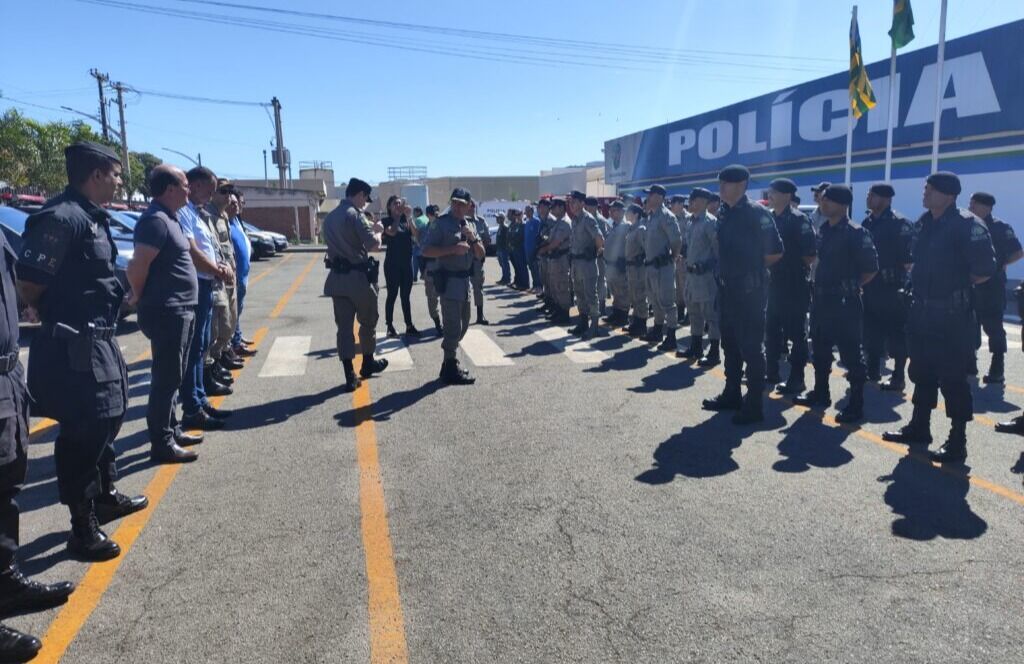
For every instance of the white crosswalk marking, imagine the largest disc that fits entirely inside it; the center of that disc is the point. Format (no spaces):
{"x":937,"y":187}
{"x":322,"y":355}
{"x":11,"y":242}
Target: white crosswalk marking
{"x":482,"y":351}
{"x":287,"y":357}
{"x":578,"y":351}
{"x":395,"y":352}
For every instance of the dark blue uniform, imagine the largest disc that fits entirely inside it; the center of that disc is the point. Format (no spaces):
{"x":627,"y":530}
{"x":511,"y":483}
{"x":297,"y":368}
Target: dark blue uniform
{"x":746,"y":234}
{"x":885,"y":302}
{"x":845,"y":252}
{"x":76,"y":373}
{"x":948,"y":251}
{"x":990,"y":296}
{"x":789,"y":295}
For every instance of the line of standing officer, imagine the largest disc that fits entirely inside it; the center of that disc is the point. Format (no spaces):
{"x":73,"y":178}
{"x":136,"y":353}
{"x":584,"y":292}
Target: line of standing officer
{"x":586,"y":242}
{"x":701,"y":264}
{"x":636,"y":273}
{"x":555,"y":250}
{"x":484,"y":235}
{"x":615,"y":262}
{"x":662,"y":243}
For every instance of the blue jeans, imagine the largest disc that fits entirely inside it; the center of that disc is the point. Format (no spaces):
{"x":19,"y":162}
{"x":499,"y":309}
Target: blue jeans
{"x":193,"y":394}
{"x":522,"y":278}
{"x":241,"y":285}
{"x":417,"y":266}
{"x":535,"y":271}
{"x":503,"y":261}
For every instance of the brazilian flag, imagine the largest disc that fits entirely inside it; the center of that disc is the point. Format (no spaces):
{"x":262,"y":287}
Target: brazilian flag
{"x":862,"y":97}
{"x":902,"y":30}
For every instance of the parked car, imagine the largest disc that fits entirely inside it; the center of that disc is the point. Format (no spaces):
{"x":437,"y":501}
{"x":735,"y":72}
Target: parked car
{"x":280,"y":241}
{"x":262,"y":246}
{"x":265,"y":237}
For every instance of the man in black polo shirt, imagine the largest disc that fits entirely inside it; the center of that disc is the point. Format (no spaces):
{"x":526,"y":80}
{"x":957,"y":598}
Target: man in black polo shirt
{"x":163,"y":280}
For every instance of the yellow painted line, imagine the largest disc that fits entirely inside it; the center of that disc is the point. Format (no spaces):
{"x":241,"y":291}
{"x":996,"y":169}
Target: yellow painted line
{"x":293,"y":288}
{"x":270,"y":269}
{"x":387,"y":626}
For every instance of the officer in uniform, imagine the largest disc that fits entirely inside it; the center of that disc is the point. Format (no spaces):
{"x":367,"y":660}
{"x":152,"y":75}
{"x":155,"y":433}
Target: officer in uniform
{"x":990,"y":296}
{"x":17,"y":593}
{"x":817,"y":217}
{"x":484,"y":236}
{"x":748,"y":243}
{"x":76,"y":373}
{"x":700,"y":265}
{"x":555,"y":251}
{"x":714,"y":204}
{"x":352,"y":280}
{"x":677,"y":206}
{"x":615,"y":260}
{"x":591,"y":206}
{"x":662,"y":243}
{"x":586,"y":244}
{"x":789,"y":291}
{"x":636,"y":273}
{"x":952,"y":251}
{"x":538,"y":264}
{"x":1015,"y":425}
{"x":432,"y":212}
{"x":454,"y":243}
{"x":846,"y":261}
{"x":885,"y":302}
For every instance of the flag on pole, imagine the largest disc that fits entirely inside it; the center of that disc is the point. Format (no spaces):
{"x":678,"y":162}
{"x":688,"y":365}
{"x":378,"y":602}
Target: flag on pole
{"x":862,"y":97}
{"x":902,"y":30}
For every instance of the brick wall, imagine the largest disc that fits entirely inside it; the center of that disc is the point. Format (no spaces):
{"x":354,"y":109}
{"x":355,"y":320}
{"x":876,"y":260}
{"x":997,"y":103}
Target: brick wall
{"x":279,"y":220}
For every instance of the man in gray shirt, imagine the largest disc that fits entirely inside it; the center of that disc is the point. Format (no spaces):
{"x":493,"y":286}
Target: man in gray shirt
{"x":585,"y":244}
{"x":701,"y":287}
{"x":662,"y":244}
{"x":615,"y":260}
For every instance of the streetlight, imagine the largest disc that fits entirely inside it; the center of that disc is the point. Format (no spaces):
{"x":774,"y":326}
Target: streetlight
{"x":199,"y":155}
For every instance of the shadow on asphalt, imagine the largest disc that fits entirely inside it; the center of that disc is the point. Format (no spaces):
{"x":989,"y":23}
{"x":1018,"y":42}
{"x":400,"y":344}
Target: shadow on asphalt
{"x":930,"y":502}
{"x":991,"y":399}
{"x":274,"y":412}
{"x":809,"y":444}
{"x":383,"y":408}
{"x":700,"y":451}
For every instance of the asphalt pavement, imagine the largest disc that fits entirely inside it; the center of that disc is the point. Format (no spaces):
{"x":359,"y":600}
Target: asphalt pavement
{"x":575,"y":505}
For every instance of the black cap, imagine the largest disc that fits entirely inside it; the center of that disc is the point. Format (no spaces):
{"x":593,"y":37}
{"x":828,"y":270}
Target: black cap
{"x":677,"y":198}
{"x":715,"y":198}
{"x":701,"y":192}
{"x":734,"y":173}
{"x":984,"y":198}
{"x":635,"y":209}
{"x":839,"y":193}
{"x":88,"y":147}
{"x":578,"y":195}
{"x":357,"y":186}
{"x":591,"y":200}
{"x":557,"y":201}
{"x":461,"y":195}
{"x":945,"y":182}
{"x":544,"y":201}
{"x":433,"y":209}
{"x":655,"y":189}
{"x":783,"y":186}
{"x":618,"y":205}
{"x":821,"y":187}
{"x":883,"y":189}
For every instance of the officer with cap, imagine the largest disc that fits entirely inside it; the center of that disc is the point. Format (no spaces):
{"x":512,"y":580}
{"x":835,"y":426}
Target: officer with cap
{"x":636,"y":273}
{"x":585,"y":245}
{"x":615,"y":260}
{"x":76,"y":373}
{"x":454,"y":243}
{"x":990,"y":296}
{"x":952,"y":251}
{"x":789,"y":292}
{"x":700,"y":264}
{"x":748,"y":244}
{"x":846,"y":261}
{"x":817,"y":217}
{"x":352,"y":280}
{"x":662,"y":243}
{"x":558,"y":285}
{"x":885,"y":302}
{"x":484,"y":235}
{"x":603,"y":225}
{"x":432,"y":212}
{"x":714,"y":204}
{"x":677,"y":206}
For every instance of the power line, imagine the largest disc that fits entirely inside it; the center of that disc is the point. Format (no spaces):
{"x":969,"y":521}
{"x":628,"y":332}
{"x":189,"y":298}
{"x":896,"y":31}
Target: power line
{"x":205,"y":100}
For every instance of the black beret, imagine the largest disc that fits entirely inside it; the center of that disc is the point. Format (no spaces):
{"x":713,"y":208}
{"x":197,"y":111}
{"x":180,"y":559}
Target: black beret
{"x":734,"y":173}
{"x":883,"y":189}
{"x":945,"y":182}
{"x":461,"y":195}
{"x":577,"y":195}
{"x":984,"y":198}
{"x":433,"y":209}
{"x":700,"y":192}
{"x":677,"y":198}
{"x":81,"y":148}
{"x":839,"y":193}
{"x":655,"y":189}
{"x":618,"y":205}
{"x":636,"y":209}
{"x":557,"y":201}
{"x":821,"y":187}
{"x":784,"y":186}
{"x":591,"y":200}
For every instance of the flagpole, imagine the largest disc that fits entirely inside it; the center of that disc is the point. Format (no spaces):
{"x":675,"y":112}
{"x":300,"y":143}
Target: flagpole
{"x":892,"y":113}
{"x":939,"y":91}
{"x":849,"y":123}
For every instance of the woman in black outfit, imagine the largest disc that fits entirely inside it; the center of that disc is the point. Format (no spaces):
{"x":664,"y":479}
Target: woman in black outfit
{"x":399,"y":234}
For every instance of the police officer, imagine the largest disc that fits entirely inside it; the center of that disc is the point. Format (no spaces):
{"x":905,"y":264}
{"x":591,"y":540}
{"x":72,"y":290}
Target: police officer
{"x":1015,"y":425}
{"x":543,"y":236}
{"x":789,"y":291}
{"x":17,"y":593}
{"x":454,"y":243}
{"x":677,"y":206}
{"x":555,"y":251}
{"x":990,"y":296}
{"x":700,"y":264}
{"x":662,"y":243}
{"x":748,"y":243}
{"x":615,"y":260}
{"x":591,"y":206}
{"x":846,"y":261}
{"x":636,"y":273}
{"x":818,"y":217}
{"x":585,"y":244}
{"x":885,"y":302}
{"x":952,"y":251}
{"x":76,"y":373}
{"x":714,"y":205}
{"x":429,"y":289}
{"x":352,"y":278}
{"x":484,"y":235}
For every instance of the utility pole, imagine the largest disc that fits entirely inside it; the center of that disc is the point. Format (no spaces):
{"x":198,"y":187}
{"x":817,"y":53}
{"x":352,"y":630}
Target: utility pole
{"x":100,"y":80}
{"x":266,"y":183}
{"x":282,"y":167}
{"x":126,"y":166}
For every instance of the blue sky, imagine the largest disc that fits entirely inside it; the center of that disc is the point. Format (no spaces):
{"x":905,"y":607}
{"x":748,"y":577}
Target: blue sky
{"x":367,"y":106}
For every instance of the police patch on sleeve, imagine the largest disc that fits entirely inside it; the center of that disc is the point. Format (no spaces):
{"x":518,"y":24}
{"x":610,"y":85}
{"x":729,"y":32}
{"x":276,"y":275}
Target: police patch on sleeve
{"x":45,"y":245}
{"x":978,"y":233}
{"x":1010,"y":235}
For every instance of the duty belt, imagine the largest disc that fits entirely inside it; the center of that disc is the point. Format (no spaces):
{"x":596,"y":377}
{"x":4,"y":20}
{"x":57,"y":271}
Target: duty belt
{"x":846,"y":287}
{"x":91,"y":330}
{"x":583,"y":257}
{"x":659,"y":261}
{"x":957,"y":300}
{"x":636,"y":262}
{"x":455,"y":274}
{"x":8,"y":362}
{"x":342,"y":266}
{"x":558,"y":253}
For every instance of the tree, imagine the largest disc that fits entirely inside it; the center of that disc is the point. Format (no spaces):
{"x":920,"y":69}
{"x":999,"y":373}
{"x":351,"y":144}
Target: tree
{"x":17,"y":149}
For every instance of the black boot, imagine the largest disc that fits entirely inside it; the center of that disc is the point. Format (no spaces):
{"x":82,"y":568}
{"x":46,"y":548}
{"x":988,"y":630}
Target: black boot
{"x":915,"y":432}
{"x":19,"y":594}
{"x":771,"y":372}
{"x":695,"y":349}
{"x":87,"y":542}
{"x":351,"y":380}
{"x":1016,"y":425}
{"x":854,"y":409}
{"x":819,"y":397}
{"x":560,"y":317}
{"x":955,"y":448}
{"x":112,"y":504}
{"x":752,"y":410}
{"x":17,"y":647}
{"x":729,"y":399}
{"x":714,"y":357}
{"x":794,"y":382}
{"x":437,"y":327}
{"x":453,"y":374}
{"x":656,"y":334}
{"x":874,"y":371}
{"x":581,"y":326}
{"x":669,"y":345}
{"x":995,"y":371}
{"x":896,"y":381}
{"x":480,"y":320}
{"x":372,"y":366}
